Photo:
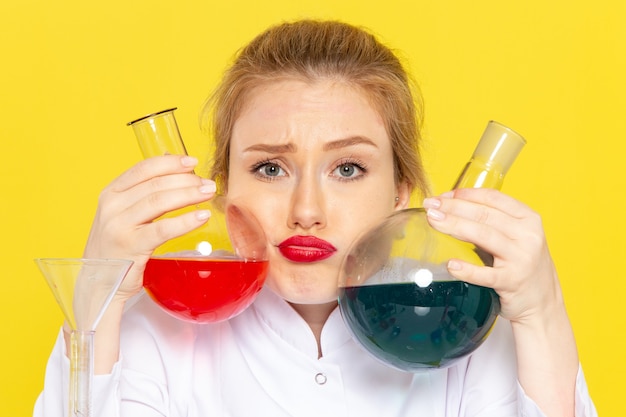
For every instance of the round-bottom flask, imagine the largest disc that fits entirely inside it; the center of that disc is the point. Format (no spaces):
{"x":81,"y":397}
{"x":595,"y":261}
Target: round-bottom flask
{"x":395,"y":293}
{"x":214,"y":272}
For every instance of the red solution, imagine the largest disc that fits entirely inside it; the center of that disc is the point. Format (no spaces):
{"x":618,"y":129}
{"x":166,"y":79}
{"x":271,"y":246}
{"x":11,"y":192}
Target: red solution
{"x":205,"y":290}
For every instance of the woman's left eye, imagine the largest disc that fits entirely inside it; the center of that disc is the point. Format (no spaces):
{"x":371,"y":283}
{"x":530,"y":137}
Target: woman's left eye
{"x":349,"y":170}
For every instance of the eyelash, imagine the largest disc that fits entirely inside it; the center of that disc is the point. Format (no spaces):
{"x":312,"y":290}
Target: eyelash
{"x":256,"y":167}
{"x":360,"y":165}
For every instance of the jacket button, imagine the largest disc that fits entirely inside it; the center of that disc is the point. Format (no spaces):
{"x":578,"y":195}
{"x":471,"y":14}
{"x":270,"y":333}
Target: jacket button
{"x":320,"y":378}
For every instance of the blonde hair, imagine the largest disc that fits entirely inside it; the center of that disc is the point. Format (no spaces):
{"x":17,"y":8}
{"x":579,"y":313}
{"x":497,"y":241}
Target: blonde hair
{"x":313,"y":50}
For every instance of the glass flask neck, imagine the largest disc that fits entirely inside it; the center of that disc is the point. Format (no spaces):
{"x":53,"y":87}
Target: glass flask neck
{"x":158,"y":134}
{"x":495,"y":153}
{"x":480,"y":174}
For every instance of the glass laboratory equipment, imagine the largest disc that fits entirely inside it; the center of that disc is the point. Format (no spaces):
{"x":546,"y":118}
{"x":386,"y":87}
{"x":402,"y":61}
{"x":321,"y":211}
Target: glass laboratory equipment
{"x":83,"y":289}
{"x":214,"y":272}
{"x":395,"y":293}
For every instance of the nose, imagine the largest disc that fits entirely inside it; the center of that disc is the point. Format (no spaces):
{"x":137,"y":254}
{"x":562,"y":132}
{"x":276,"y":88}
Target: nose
{"x":307,"y":205}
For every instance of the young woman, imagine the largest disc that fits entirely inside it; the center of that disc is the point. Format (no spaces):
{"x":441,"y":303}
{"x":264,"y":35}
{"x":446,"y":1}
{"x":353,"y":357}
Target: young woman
{"x":317,"y":133}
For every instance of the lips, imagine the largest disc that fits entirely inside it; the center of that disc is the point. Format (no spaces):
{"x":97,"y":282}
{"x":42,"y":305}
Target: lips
{"x":306,"y":249}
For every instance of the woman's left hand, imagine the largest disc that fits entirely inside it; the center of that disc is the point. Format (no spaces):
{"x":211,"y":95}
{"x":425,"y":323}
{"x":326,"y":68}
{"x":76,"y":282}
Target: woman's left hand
{"x":523,"y":273}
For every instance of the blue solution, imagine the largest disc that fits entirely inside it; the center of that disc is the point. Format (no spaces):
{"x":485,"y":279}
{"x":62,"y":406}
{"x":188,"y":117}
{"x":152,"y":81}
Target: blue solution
{"x":413,"y":328}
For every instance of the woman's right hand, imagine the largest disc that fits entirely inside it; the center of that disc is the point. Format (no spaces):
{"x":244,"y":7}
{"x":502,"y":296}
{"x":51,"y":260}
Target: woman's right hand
{"x":123,"y":226}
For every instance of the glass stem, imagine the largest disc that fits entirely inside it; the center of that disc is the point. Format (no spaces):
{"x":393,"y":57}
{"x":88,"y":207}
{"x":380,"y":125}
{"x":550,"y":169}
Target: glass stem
{"x":81,"y":373}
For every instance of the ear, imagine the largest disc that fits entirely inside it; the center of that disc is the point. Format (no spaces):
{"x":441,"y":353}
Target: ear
{"x":403,"y":194}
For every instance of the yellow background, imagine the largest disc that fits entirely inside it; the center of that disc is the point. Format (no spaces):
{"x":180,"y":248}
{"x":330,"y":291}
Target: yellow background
{"x":74,"y":72}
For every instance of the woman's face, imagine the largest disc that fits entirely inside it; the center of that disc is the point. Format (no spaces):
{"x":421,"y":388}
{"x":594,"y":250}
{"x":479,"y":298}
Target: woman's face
{"x":314,"y":164}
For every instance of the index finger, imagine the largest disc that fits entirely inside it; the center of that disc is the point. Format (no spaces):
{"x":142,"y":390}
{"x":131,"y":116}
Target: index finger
{"x":492,"y":198}
{"x":153,"y":167}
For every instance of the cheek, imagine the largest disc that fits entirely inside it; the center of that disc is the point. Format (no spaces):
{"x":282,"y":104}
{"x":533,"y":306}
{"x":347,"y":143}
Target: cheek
{"x":267,"y":212}
{"x":367,"y":205}
{"x":351,"y":224}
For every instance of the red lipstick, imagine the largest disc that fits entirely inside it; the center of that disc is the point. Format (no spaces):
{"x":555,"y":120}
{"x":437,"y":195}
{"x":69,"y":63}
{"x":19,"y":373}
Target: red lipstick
{"x":306,"y":249}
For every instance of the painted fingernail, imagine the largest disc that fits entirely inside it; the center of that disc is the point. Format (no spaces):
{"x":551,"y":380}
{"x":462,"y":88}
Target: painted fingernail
{"x":435,"y":214}
{"x":203,"y":214}
{"x":189,"y":161}
{"x":431,"y":203}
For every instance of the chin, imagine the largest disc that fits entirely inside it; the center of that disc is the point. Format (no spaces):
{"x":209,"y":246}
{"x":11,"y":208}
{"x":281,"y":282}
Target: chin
{"x":304,"y":294}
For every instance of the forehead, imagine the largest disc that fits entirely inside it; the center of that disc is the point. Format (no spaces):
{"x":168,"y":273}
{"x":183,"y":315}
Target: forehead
{"x":296,"y":106}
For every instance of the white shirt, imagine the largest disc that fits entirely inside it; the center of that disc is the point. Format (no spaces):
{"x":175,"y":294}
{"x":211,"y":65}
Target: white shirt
{"x":265,"y":363}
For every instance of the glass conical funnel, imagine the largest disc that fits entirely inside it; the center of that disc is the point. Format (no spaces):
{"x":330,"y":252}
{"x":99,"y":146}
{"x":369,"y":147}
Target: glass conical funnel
{"x":214,"y":272}
{"x":83,"y":288}
{"x":395,"y":293}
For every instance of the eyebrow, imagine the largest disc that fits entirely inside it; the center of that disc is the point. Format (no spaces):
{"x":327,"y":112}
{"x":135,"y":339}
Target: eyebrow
{"x":291,"y":148}
{"x":262,"y":147}
{"x":351,"y":141}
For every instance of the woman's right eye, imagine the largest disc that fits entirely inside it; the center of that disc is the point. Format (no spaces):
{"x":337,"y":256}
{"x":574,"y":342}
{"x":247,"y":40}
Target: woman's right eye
{"x":268,"y":170}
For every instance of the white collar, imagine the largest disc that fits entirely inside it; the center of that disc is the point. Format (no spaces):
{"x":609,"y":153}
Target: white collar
{"x":287,"y":324}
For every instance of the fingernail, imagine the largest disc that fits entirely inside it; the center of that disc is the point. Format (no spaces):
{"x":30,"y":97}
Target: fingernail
{"x":189,"y":161}
{"x":454,"y":265}
{"x":431,"y":203}
{"x":207,"y":187}
{"x":203,"y":214}
{"x":447,"y":194}
{"x":435,"y":214}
